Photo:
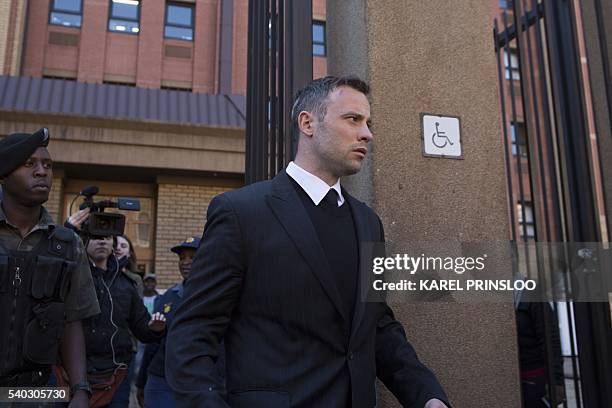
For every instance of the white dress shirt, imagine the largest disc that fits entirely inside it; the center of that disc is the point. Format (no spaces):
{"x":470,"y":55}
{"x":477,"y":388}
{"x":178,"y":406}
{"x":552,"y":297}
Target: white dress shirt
{"x":316,"y":188}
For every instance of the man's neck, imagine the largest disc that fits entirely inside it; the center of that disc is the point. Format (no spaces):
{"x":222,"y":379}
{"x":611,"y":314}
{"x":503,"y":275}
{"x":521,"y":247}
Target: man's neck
{"x":23,"y":217}
{"x":149,"y":293}
{"x":316,"y":170}
{"x":102,"y":264}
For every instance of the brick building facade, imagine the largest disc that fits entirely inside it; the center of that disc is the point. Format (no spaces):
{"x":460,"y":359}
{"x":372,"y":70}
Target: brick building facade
{"x":143,"y":99}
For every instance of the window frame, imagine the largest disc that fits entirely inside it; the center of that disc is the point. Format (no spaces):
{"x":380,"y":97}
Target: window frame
{"x":517,"y":145}
{"x":511,"y":70}
{"x":324,"y":43}
{"x":525,"y":224}
{"x":110,"y":17}
{"x":64,"y":11}
{"x":167,"y":24}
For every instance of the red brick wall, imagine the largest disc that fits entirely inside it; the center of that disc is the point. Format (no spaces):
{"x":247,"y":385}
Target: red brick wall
{"x":141,"y":56}
{"x":62,"y":57}
{"x":318,"y":9}
{"x":239,"y":50}
{"x":319,"y":64}
{"x":205,"y":48}
{"x":92,"y":50}
{"x":178,"y":69}
{"x":127,"y":47}
{"x":36,"y":38}
{"x":150,"y":38}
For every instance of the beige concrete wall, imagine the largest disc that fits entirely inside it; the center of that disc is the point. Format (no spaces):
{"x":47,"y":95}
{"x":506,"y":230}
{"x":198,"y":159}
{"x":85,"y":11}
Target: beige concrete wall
{"x":159,"y":146}
{"x":12,"y":24}
{"x":5,"y":12}
{"x":347,"y":44}
{"x":18,"y":37}
{"x":181,"y":213}
{"x":436,"y":57}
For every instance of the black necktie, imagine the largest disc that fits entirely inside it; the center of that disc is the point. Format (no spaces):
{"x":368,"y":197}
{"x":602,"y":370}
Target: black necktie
{"x":331,"y":198}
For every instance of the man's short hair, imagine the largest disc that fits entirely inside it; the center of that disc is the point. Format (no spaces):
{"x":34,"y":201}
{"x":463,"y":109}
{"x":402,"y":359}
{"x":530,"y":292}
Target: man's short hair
{"x":313,"y":97}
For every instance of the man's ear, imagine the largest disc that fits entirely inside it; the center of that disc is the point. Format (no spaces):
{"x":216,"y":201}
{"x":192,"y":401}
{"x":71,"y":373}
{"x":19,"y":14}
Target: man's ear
{"x":305,"y":123}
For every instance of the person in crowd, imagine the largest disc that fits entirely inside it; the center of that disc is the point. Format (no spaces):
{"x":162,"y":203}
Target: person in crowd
{"x":150,"y":291}
{"x":126,"y":256}
{"x":276,"y":277}
{"x":125,"y":253}
{"x":108,"y":335}
{"x":153,"y":390}
{"x":530,"y":326}
{"x":148,"y":299}
{"x":46,"y":289}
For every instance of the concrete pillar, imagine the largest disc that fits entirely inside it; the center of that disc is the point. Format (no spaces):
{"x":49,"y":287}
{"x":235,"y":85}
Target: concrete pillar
{"x":435,"y":57}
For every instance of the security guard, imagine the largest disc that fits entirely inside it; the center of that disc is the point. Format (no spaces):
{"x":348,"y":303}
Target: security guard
{"x":45,"y":282}
{"x":156,"y":392}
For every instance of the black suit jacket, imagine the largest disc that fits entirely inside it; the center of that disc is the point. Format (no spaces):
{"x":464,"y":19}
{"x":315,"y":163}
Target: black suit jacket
{"x":261,"y":281}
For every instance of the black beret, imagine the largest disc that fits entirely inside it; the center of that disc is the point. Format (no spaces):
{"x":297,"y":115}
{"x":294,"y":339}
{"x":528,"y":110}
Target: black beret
{"x":15,"y":149}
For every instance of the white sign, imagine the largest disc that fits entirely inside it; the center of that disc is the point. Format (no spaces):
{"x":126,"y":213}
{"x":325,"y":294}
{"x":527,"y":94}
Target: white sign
{"x":441,"y":136}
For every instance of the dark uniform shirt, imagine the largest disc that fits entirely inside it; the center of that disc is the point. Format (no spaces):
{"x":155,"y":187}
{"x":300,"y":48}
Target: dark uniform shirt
{"x":153,"y":361}
{"x":81,"y":301}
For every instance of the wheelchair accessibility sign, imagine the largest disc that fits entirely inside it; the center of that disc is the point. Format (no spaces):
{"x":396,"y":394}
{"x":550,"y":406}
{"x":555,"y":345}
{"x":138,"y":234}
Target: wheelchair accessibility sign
{"x":441,"y":136}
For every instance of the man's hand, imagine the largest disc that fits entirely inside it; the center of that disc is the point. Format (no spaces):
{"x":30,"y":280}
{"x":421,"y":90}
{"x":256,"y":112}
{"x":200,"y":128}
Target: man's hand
{"x":80,"y":399}
{"x":435,"y":403}
{"x":158,"y":322}
{"x":78,"y":218}
{"x":560,"y":393}
{"x":140,"y":396}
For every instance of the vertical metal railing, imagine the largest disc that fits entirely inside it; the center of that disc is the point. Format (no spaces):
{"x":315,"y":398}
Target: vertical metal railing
{"x":279,"y":63}
{"x":556,"y":177}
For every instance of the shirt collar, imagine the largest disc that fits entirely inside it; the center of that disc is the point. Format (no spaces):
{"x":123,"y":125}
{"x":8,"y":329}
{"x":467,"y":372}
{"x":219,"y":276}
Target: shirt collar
{"x":179,"y":289}
{"x":316,"y":188}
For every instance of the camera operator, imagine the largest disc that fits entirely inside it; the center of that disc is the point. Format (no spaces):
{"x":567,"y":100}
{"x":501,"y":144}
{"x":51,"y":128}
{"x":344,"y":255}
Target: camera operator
{"x":108,"y":338}
{"x":46,"y":288}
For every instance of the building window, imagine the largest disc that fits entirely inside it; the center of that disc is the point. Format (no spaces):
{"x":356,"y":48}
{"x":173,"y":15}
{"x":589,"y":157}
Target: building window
{"x":118,"y":83}
{"x":124,"y":16}
{"x":67,"y":13}
{"x":506,"y":4}
{"x":512,"y":65}
{"x":179,"y":22}
{"x":318,"y":39}
{"x":527,"y":224}
{"x":61,"y":78}
{"x":519,"y":139}
{"x":175,"y":88}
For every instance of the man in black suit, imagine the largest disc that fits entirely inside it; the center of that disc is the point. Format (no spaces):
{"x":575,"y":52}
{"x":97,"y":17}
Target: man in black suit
{"x":277,"y":277}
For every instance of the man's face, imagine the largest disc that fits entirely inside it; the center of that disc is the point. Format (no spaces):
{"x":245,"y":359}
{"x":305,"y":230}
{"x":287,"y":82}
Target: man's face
{"x":100,"y":249}
{"x":185,"y":259}
{"x":341,"y":140}
{"x":30,"y":183}
{"x":149,"y":284}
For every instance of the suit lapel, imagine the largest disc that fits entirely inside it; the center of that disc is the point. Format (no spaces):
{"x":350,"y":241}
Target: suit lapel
{"x":364,"y":234}
{"x":288,"y":208}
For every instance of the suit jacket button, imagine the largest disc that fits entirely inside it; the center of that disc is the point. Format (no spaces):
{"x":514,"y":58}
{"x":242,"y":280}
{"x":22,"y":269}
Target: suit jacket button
{"x":350,"y":356}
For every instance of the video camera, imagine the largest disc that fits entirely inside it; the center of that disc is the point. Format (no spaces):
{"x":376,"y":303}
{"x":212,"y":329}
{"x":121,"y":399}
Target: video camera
{"x":101,"y":224}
